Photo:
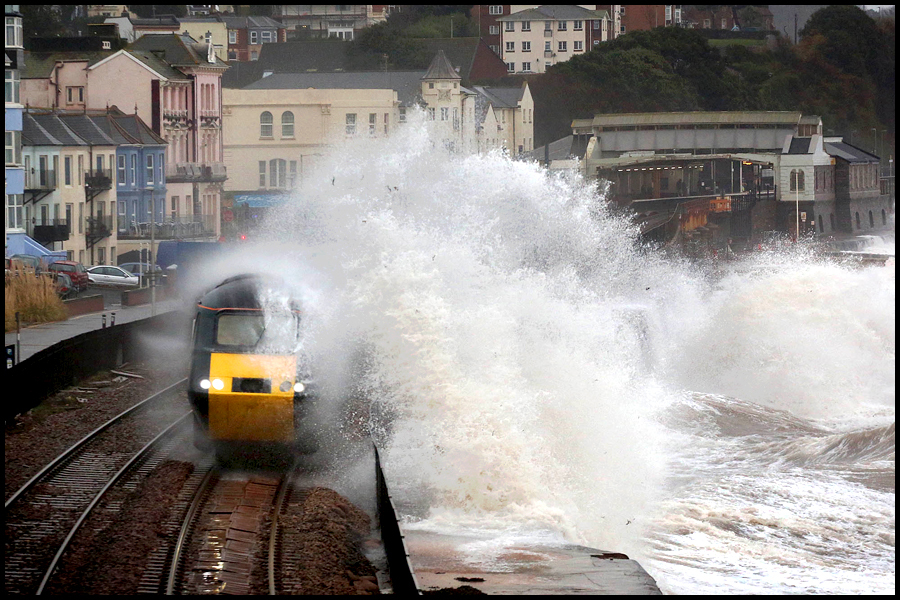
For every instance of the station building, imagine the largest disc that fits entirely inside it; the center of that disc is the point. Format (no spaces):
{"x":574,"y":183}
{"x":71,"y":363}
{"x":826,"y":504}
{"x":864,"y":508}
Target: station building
{"x":723,"y":175}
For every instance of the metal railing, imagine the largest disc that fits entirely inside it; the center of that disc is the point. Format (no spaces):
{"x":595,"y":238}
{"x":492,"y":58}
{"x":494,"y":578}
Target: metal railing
{"x":41,"y":180}
{"x":172,"y":227}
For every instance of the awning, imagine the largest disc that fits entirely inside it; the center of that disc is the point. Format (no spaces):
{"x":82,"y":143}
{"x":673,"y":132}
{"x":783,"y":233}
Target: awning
{"x":260,"y":200}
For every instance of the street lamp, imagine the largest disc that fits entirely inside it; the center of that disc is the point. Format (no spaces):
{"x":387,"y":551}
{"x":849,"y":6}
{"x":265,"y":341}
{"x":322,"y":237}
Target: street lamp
{"x":796,"y":175}
{"x":151,"y":271}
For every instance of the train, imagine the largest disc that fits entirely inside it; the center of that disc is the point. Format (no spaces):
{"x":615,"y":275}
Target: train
{"x":249,"y":386}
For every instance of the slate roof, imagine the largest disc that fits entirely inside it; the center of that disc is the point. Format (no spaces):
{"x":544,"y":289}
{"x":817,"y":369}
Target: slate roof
{"x":289,"y":57}
{"x":47,"y":130}
{"x":501,"y":97}
{"x":441,"y":68}
{"x":40,"y":64}
{"x":849,"y":153}
{"x":86,"y":129}
{"x":251,"y":22}
{"x":800,"y":145}
{"x":135,"y":127}
{"x":560,"y":12}
{"x":408,"y":84}
{"x":179,"y":50}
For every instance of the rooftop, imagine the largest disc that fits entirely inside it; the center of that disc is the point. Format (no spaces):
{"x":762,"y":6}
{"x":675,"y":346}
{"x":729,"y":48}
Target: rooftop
{"x":408,"y":84}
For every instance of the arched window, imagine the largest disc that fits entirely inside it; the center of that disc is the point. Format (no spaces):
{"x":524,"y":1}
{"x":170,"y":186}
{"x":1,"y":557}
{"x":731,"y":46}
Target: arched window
{"x":287,"y":124}
{"x":883,"y":217}
{"x":871,"y":220}
{"x":831,"y":215}
{"x":797,"y":180}
{"x":265,"y":125}
{"x":858,"y":226}
{"x":821,"y":224}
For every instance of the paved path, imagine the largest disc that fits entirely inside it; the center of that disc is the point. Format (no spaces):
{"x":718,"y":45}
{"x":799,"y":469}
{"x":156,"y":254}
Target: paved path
{"x":35,"y":338}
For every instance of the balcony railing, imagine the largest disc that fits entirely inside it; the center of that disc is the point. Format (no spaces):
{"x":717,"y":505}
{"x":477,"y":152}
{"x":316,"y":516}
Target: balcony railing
{"x":41,"y":180}
{"x":97,"y":228}
{"x":172,"y":228}
{"x":49,"y":230}
{"x":183,"y":172}
{"x":98,"y":180}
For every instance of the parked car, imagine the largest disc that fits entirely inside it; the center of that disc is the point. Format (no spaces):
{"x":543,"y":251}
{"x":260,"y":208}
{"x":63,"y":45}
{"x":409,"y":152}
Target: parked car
{"x":73,"y":269}
{"x":107,"y":275}
{"x":143,"y":270}
{"x":30,"y":262}
{"x":63,"y":284}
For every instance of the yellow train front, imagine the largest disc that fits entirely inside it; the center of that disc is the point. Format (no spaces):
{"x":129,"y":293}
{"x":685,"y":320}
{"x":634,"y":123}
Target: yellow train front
{"x":247,"y":387}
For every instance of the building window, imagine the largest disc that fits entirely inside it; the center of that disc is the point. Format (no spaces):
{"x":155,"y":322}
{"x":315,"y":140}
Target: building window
{"x":858,"y":226}
{"x":149,"y":169}
{"x":455,"y":118}
{"x":724,"y":24}
{"x":871,"y":220}
{"x":510,"y":26}
{"x":254,"y":37}
{"x":293,"y":178}
{"x":548,"y":47}
{"x":74,"y":95}
{"x":121,"y":169}
{"x":262,"y":173}
{"x":14,"y":211}
{"x":13,"y":147}
{"x":277,"y":173}
{"x":526,"y":66}
{"x":431,"y":114}
{"x":578,"y":46}
{"x":254,"y":55}
{"x":548,"y":25}
{"x":562,"y":46}
{"x":287,"y":124}
{"x":707,"y":23}
{"x":526,"y":46}
{"x":495,"y":48}
{"x":495,"y":9}
{"x":526,"y":25}
{"x":403,"y":114}
{"x":265,"y":125}
{"x":596,"y":24}
{"x":373,"y":122}
{"x":578,"y":25}
{"x":797,"y":180}
{"x":495,"y":30}
{"x":67,"y":166}
{"x":232,"y":36}
{"x":510,"y":46}
{"x":13,"y":35}
{"x":561,"y":26}
{"x":445,"y":113}
{"x":134,"y":169}
{"x":821,"y":224}
{"x":12,"y":86}
{"x":350,"y":124}
{"x":265,"y":37}
{"x":511,"y":67}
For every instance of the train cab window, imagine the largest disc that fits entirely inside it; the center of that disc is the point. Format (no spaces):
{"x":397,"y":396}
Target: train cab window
{"x":269,"y":333}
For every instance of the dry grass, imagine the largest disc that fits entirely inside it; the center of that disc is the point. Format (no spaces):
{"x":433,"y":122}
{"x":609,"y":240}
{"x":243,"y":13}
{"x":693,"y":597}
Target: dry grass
{"x":34,"y":298}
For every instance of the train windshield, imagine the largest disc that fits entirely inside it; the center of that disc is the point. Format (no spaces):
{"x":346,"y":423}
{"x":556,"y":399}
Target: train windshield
{"x":274,"y":333}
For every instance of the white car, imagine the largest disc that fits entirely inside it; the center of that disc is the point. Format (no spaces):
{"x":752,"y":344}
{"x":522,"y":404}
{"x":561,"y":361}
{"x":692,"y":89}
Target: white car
{"x":107,"y":275}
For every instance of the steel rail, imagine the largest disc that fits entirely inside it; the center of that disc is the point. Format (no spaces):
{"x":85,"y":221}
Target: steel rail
{"x":79,"y":444}
{"x":186,"y":525}
{"x":273,"y":534}
{"x":141,"y":454}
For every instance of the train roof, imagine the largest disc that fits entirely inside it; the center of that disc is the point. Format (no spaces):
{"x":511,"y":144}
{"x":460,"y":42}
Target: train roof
{"x":241,"y":292}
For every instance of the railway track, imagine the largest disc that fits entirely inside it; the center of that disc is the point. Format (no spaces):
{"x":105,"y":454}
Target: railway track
{"x":224,"y":538}
{"x":43,"y":516}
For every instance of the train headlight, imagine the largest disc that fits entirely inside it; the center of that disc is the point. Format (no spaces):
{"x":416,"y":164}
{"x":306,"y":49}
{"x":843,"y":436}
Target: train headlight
{"x":285,"y":386}
{"x":299,"y":387}
{"x":218,"y":384}
{"x":205,"y":384}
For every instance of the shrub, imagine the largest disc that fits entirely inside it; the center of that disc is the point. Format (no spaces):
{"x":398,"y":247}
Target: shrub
{"x":34,"y":298}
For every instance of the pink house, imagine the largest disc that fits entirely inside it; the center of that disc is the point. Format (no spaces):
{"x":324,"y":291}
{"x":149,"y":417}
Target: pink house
{"x":174,"y":83}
